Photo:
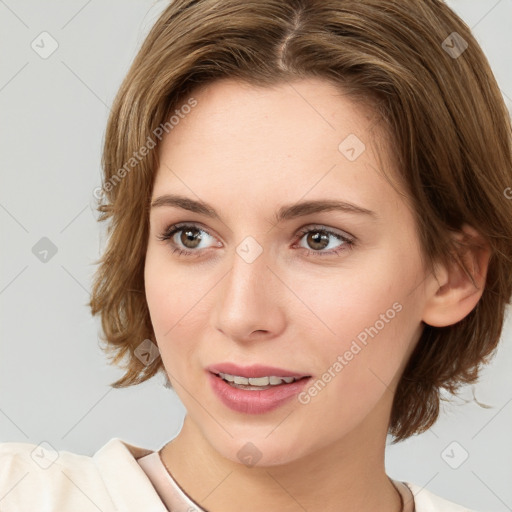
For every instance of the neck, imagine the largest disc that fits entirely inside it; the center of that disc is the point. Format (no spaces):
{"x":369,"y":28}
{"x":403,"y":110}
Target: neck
{"x":348,"y":475}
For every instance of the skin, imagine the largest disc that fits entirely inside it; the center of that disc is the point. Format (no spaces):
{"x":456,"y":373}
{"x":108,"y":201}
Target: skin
{"x":248,"y":151}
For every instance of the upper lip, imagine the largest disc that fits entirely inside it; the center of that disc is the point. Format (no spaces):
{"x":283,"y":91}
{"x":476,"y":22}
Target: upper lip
{"x":256,"y":370}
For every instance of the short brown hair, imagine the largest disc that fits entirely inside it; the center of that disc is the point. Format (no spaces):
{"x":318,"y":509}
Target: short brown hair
{"x":439,"y":102}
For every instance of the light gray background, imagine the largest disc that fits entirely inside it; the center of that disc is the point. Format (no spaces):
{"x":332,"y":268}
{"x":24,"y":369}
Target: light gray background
{"x":53,"y":376}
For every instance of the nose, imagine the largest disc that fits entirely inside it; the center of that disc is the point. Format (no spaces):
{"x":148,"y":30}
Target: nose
{"x":250,"y":300}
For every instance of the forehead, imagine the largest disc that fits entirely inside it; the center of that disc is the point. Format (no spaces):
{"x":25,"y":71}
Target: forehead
{"x":261,"y":145}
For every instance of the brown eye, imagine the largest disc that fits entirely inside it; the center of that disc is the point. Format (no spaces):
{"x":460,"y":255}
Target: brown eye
{"x":318,"y":240}
{"x":190,"y":237}
{"x":186,"y":238}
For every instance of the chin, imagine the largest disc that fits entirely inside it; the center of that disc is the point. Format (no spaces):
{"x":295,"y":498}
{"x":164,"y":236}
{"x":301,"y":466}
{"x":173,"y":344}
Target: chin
{"x":258,"y":451}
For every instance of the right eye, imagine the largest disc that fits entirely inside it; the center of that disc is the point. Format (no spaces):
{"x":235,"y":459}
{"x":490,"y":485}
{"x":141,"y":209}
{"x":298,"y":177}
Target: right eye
{"x":185,"y":238}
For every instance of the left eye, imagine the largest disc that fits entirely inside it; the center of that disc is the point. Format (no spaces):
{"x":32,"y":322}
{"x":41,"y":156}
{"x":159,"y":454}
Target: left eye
{"x":318,"y":238}
{"x":321,"y":238}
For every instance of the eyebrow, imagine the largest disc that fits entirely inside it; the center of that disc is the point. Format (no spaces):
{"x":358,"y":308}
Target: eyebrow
{"x":286,"y":212}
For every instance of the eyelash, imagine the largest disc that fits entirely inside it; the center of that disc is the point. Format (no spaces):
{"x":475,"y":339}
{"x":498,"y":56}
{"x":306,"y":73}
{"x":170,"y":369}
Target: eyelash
{"x":348,"y":244}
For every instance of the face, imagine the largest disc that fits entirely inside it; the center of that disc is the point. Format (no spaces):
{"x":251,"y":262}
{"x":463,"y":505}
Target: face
{"x":267,"y":274}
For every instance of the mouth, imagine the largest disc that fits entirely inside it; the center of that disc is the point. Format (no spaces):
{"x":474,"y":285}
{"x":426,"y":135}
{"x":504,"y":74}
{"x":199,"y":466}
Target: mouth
{"x":257,"y":383}
{"x":255,"y":389}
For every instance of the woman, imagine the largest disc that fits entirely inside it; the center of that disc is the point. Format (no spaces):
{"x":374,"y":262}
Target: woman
{"x":309,"y":236}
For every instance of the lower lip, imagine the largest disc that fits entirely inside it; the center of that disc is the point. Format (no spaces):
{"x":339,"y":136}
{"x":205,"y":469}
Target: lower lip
{"x":255,"y":401}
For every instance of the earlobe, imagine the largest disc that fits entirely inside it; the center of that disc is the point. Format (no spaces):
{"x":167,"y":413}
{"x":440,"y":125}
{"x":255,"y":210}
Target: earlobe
{"x":455,"y":292}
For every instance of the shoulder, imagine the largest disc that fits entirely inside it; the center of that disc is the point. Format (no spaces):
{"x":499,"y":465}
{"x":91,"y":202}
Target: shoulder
{"x":426,"y":501}
{"x":38,"y":477}
{"x":32,"y":475}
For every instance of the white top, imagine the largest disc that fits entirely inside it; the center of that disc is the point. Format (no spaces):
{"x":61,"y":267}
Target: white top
{"x":118,"y":477}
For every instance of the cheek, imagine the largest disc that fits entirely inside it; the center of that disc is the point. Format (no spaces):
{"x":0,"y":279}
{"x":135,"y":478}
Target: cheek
{"x":366,"y":322}
{"x":177,"y":299}
{"x":158,"y":292}
{"x":342,"y":304}
{"x":170,"y":290}
{"x":357,"y":365}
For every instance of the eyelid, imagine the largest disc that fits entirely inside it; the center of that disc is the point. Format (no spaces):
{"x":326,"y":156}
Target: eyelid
{"x":333,"y":231}
{"x":301,"y":231}
{"x":169,"y":232}
{"x":182,"y":225}
{"x":342,"y":236}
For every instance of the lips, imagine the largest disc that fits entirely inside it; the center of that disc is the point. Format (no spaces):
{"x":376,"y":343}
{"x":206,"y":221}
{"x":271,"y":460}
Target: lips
{"x":254,"y":371}
{"x":254,"y":401}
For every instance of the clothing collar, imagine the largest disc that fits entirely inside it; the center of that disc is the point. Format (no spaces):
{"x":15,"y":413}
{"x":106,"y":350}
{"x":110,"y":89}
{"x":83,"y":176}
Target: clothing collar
{"x":131,"y":489}
{"x":126,"y":482}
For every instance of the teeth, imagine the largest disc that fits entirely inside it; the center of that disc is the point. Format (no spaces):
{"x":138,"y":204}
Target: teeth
{"x":257,"y":381}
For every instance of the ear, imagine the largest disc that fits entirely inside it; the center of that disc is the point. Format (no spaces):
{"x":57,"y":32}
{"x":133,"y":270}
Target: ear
{"x":453,"y":293}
